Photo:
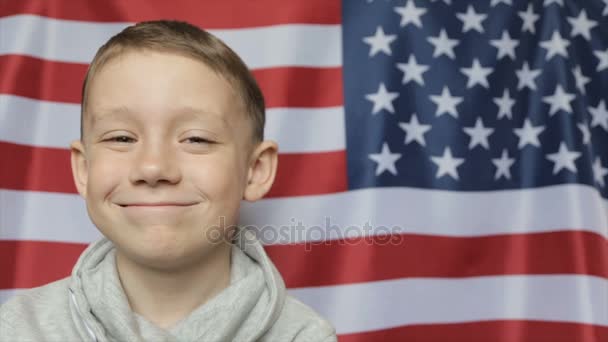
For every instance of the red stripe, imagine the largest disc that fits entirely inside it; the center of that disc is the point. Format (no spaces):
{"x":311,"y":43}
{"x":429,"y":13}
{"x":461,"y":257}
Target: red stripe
{"x":495,"y":331}
{"x":35,"y":168}
{"x":301,"y":87}
{"x":300,"y":174}
{"x":400,"y":256}
{"x":61,"y":82}
{"x":567,"y":252}
{"x":27,"y":264}
{"x":41,"y":79}
{"x":216,"y":14}
{"x":48,"y":169}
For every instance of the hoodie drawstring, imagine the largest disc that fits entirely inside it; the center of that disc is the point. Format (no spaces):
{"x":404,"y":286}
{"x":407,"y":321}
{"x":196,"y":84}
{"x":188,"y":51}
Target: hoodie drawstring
{"x":89,"y":330}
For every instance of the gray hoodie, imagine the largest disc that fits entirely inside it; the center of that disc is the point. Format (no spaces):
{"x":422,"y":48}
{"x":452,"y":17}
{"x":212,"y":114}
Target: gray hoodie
{"x":90,"y":305}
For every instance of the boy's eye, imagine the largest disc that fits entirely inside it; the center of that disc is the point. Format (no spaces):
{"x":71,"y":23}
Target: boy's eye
{"x":121,"y":139}
{"x":198,"y":140}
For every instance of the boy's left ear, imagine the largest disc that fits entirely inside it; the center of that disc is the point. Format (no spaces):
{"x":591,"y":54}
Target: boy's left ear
{"x":262,"y":170}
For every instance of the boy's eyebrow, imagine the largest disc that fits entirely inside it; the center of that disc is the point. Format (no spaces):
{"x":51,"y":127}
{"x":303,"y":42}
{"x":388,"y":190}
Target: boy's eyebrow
{"x":109,"y":113}
{"x":185,"y":112}
{"x":193,"y":112}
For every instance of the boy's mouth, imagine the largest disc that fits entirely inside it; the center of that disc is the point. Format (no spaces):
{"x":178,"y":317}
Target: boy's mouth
{"x":155,"y":211}
{"x":157,"y":204}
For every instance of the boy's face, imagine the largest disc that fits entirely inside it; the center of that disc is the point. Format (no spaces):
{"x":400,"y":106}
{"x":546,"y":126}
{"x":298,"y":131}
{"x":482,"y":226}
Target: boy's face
{"x":167,"y":153}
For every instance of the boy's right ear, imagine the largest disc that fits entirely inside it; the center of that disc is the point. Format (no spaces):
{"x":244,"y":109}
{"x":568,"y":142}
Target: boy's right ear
{"x":79,"y":166}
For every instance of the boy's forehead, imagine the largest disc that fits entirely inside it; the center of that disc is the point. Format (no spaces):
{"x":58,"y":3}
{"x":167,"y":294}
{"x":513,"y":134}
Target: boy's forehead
{"x":123,"y":113}
{"x":110,"y":102}
{"x":210,"y":99}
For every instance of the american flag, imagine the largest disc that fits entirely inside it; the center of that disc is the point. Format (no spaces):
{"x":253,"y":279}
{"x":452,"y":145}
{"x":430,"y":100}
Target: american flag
{"x":444,"y":162}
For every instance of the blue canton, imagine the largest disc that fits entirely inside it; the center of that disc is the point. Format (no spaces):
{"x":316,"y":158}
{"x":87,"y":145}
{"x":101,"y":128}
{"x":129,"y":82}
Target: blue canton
{"x":476,"y":95}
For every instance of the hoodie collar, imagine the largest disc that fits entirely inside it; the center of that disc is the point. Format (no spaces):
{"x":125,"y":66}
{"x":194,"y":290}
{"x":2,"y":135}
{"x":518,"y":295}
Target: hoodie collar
{"x":244,"y":310}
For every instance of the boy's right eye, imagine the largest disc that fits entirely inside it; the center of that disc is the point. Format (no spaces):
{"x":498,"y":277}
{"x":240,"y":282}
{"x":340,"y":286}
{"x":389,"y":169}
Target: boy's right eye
{"x":120,"y":139}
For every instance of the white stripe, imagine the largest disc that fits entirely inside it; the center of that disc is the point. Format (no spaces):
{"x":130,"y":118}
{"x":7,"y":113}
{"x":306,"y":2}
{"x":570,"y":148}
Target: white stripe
{"x":355,"y":308}
{"x":304,"y":130}
{"x":38,"y":123}
{"x":264,"y":47}
{"x":45,"y":216}
{"x":386,"y":304}
{"x":29,"y":215}
{"x":286,"y":45}
{"x":52,"y":124}
{"x":7,"y":294}
{"x":429,"y":212}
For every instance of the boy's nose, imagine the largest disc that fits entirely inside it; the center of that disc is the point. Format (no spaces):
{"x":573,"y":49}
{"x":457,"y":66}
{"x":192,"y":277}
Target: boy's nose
{"x":154,"y":165}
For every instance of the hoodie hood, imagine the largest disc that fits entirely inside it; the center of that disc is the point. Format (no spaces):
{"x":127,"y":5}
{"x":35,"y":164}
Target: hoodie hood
{"x":243,"y":311}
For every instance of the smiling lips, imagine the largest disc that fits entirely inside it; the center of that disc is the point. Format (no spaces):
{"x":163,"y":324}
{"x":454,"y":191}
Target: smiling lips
{"x":156,"y":211}
{"x":159,"y":204}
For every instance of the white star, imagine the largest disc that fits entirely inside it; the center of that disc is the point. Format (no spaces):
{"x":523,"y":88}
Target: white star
{"x":585,"y":132}
{"x":563,"y":159}
{"x":477,"y":74}
{"x":479,"y":134}
{"x":380,"y":42}
{"x":410,"y":14}
{"x":599,"y":115}
{"x":447,"y":164}
{"x":581,"y":80}
{"x":412,"y":71}
{"x":599,"y":171}
{"x":555,"y":46}
{"x":446,"y":103}
{"x":504,"y":103}
{"x":603,"y":57}
{"x":414,"y":131}
{"x":529,"y":18}
{"x":559,"y":100}
{"x":503,"y":165}
{"x":471,"y":20}
{"x":505,"y":45}
{"x":526,"y":77}
{"x":528,"y":134}
{"x":605,"y":12}
{"x":386,"y":160}
{"x":549,"y":2}
{"x":382,"y":99}
{"x":581,"y":25}
{"x":496,"y":2}
{"x":443,"y":45}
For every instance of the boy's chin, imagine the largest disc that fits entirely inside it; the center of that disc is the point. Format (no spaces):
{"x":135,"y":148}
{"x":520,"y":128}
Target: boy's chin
{"x":168,"y":258}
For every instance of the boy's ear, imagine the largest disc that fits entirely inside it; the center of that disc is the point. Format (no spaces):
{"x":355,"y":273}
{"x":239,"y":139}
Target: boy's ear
{"x":262,"y":170}
{"x":79,"y":166}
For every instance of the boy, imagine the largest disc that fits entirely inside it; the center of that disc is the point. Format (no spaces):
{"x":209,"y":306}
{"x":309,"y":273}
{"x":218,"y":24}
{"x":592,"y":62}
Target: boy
{"x":171,"y":141}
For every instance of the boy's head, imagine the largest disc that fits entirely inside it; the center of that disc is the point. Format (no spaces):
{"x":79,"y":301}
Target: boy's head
{"x":171,"y":142}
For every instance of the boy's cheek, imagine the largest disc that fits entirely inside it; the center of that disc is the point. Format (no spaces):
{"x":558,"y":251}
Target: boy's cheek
{"x":218,"y":171}
{"x":103,"y":176}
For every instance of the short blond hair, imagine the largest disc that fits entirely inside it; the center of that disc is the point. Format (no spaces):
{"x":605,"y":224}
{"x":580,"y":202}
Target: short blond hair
{"x":188,"y":40}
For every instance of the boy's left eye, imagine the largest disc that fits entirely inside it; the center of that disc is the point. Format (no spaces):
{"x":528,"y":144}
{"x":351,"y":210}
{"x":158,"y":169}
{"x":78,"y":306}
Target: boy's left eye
{"x":121,"y":139}
{"x":199,"y":140}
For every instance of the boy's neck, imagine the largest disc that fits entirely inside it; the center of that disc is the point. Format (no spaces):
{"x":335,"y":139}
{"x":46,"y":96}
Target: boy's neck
{"x":166,"y":297}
